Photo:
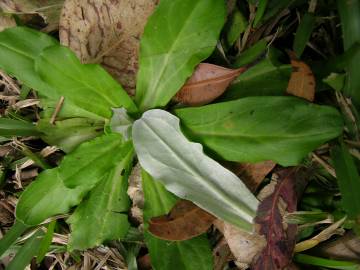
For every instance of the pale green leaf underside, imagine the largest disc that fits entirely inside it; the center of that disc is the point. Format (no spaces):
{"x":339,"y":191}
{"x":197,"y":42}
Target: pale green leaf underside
{"x":19,"y":47}
{"x":177,"y":37}
{"x":102,"y":216}
{"x":82,"y":169}
{"x":253,"y":129}
{"x":193,"y":254}
{"x":166,"y":154}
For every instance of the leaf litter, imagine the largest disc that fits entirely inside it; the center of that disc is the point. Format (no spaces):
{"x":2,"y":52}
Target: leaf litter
{"x":109,"y":32}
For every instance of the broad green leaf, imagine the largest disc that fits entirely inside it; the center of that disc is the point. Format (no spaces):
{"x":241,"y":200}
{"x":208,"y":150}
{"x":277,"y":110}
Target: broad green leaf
{"x":11,"y":236}
{"x":26,"y":252}
{"x":88,"y":164}
{"x":82,"y":169}
{"x":193,"y":254}
{"x":254,"y":129}
{"x":88,"y":86}
{"x":348,"y":180}
{"x":166,"y":154}
{"x":47,"y":196}
{"x":303,"y":33}
{"x":12,"y":127}
{"x":46,"y":242}
{"x":102,"y":216}
{"x":263,"y":79}
{"x":251,"y":54}
{"x":178,"y":36}
{"x":67,"y":134}
{"x":19,"y":46}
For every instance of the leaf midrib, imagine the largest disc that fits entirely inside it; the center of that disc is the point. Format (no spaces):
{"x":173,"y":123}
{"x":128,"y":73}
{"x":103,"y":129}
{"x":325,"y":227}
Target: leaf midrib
{"x":168,"y":56}
{"x":195,"y":172}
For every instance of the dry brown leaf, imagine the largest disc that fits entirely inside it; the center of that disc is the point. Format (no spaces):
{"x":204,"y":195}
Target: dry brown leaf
{"x":252,"y":174}
{"x":49,"y":10}
{"x":107,"y":32}
{"x":207,"y":83}
{"x":343,"y":248}
{"x":185,"y":221}
{"x":302,"y":80}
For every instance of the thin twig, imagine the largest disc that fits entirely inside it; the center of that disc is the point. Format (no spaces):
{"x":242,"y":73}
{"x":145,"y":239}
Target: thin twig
{"x":57,"y":110}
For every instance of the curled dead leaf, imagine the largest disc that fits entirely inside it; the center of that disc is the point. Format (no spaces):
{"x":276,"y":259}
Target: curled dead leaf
{"x":207,"y":83}
{"x":107,"y":32}
{"x":302,"y":80}
{"x":185,"y":221}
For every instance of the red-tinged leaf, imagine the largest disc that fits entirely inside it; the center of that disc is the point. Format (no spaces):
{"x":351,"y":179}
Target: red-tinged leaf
{"x":206,"y":84}
{"x":302,"y":80}
{"x":279,"y":235}
{"x":185,"y":221}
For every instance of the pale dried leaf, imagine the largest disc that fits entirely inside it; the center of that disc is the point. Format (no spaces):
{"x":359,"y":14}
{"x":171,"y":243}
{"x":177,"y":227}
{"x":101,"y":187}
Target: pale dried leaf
{"x":344,"y":248}
{"x":107,"y":32}
{"x":207,"y":83}
{"x":302,"y":81}
{"x":244,"y":246}
{"x":6,"y":21}
{"x":222,"y":254}
{"x":321,"y":237}
{"x":49,"y":10}
{"x":136,"y":194}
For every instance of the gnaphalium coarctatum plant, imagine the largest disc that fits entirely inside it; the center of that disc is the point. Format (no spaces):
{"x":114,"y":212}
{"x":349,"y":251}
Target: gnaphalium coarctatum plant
{"x":103,"y":130}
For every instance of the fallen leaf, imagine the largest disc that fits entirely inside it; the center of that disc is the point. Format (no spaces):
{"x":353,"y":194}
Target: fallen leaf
{"x":207,"y":83}
{"x":343,"y":248}
{"x":185,"y":221}
{"x":280,"y":236}
{"x":107,"y":32}
{"x":321,"y":237}
{"x":252,"y":174}
{"x":243,"y":245}
{"x":302,"y":80}
{"x":6,"y":21}
{"x":49,"y":10}
{"x":136,"y":194}
{"x":222,"y":254}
